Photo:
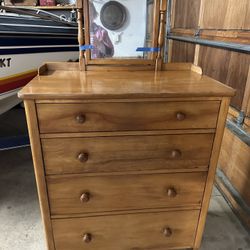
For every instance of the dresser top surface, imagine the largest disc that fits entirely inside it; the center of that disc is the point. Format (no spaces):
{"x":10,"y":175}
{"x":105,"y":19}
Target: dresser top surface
{"x":130,"y":84}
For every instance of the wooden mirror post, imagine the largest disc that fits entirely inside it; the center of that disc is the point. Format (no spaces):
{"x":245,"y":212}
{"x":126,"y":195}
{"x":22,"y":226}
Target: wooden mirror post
{"x":162,"y":33}
{"x":81,"y":40}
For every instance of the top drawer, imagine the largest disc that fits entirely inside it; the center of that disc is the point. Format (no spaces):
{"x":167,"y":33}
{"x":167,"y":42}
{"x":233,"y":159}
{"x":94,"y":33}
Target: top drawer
{"x":129,"y":116}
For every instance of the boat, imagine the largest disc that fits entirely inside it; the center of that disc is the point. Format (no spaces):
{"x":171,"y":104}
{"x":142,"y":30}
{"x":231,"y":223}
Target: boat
{"x":28,"y":38}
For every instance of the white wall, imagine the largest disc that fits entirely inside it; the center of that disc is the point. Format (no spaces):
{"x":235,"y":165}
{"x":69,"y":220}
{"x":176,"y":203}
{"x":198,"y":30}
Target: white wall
{"x":133,"y":34}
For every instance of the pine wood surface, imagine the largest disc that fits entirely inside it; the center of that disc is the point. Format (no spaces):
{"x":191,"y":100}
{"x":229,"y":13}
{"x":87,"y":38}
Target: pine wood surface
{"x":233,"y":200}
{"x":127,"y":116}
{"x":216,"y":14}
{"x":212,"y":169}
{"x":234,"y":161}
{"x":128,"y":231}
{"x":182,"y":52}
{"x":31,"y":117}
{"x":122,"y":192}
{"x":126,"y":153}
{"x":76,"y":84}
{"x":154,"y":140}
{"x":220,"y":20}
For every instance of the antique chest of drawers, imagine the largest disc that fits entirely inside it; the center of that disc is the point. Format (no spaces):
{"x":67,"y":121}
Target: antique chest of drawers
{"x":125,"y":160}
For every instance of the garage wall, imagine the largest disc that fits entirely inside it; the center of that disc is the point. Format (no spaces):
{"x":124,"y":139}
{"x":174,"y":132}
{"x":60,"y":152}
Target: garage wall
{"x":228,"y":21}
{"x":222,"y":20}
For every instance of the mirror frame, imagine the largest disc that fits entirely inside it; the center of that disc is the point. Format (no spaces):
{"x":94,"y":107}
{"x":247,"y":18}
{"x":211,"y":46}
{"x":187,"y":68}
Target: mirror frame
{"x":113,"y":61}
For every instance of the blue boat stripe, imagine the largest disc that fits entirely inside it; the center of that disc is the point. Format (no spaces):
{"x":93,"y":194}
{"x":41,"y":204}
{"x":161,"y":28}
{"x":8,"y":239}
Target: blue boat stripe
{"x":37,"y":50}
{"x":29,"y":41}
{"x":146,"y":49}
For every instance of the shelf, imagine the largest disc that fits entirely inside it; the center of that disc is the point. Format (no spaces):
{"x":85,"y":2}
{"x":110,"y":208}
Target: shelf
{"x":67,"y":7}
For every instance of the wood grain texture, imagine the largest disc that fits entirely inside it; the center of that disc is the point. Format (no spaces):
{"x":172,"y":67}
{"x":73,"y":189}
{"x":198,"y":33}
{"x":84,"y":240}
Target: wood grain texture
{"x":122,"y":192}
{"x":237,"y":207}
{"x":234,"y":36}
{"x":227,"y":21}
{"x":246,"y":99}
{"x":134,"y":231}
{"x":175,"y":99}
{"x":31,"y":117}
{"x":161,"y":37}
{"x":212,"y":169}
{"x":234,"y":161}
{"x":226,"y":14}
{"x":82,"y":65}
{"x":126,"y":153}
{"x":182,"y":52}
{"x":128,"y":133}
{"x":101,"y":85}
{"x":228,"y":67}
{"x":186,"y":13}
{"x":127,"y":116}
{"x":49,"y":67}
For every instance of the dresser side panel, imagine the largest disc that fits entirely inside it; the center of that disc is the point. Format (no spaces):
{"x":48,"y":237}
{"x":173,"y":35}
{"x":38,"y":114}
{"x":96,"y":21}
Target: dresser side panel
{"x":212,"y":169}
{"x":30,"y":110}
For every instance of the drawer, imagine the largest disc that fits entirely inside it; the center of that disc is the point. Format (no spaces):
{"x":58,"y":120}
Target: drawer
{"x":77,"y":194}
{"x":54,"y":118}
{"x":158,"y":231}
{"x":119,"y":153}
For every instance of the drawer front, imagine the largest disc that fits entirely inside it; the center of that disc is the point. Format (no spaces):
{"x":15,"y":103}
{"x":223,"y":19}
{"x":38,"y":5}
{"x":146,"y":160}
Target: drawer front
{"x":126,"y":116}
{"x":112,"y":154}
{"x":158,"y":231}
{"x":78,"y":194}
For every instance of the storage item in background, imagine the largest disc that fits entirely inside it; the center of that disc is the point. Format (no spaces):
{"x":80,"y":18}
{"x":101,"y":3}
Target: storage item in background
{"x":47,"y":2}
{"x":113,"y":15}
{"x":20,"y":2}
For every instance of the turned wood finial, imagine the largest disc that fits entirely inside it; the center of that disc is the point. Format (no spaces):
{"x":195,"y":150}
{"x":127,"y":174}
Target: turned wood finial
{"x":161,"y":37}
{"x":82,"y":64}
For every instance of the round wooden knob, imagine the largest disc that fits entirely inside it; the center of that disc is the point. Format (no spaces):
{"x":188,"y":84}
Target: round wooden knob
{"x":80,"y":118}
{"x":167,"y":231}
{"x":171,"y":192}
{"x":87,"y":237}
{"x":180,"y":116}
{"x":85,"y":197}
{"x":176,"y":153}
{"x":83,"y":157}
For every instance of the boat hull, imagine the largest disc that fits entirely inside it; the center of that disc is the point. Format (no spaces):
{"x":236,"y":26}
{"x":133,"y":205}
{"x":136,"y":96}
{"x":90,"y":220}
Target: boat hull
{"x":21,"y":69}
{"x":25,"y":44}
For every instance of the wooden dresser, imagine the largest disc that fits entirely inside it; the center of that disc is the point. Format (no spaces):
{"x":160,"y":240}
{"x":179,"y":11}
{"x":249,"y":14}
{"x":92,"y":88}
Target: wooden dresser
{"x":125,"y":160}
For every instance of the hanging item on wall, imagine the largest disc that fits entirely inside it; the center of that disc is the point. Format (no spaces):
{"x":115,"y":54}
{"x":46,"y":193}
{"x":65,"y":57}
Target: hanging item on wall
{"x":20,"y":2}
{"x":47,"y":2}
{"x":113,"y":15}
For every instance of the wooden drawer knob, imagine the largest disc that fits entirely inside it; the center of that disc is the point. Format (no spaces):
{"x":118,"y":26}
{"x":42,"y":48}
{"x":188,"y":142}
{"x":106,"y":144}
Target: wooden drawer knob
{"x":80,"y":118}
{"x":85,"y":197}
{"x":171,"y":192}
{"x":83,"y":157}
{"x":167,"y":232}
{"x":87,"y":238}
{"x":176,"y":153}
{"x":180,"y":116}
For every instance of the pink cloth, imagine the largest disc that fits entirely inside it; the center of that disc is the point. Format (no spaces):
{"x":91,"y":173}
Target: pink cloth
{"x":99,"y":38}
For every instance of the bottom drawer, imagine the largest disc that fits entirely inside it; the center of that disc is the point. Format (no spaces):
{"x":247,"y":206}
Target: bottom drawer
{"x":141,"y":231}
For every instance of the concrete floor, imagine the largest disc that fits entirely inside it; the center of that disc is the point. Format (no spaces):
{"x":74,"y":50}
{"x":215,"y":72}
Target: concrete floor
{"x":20,"y":220}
